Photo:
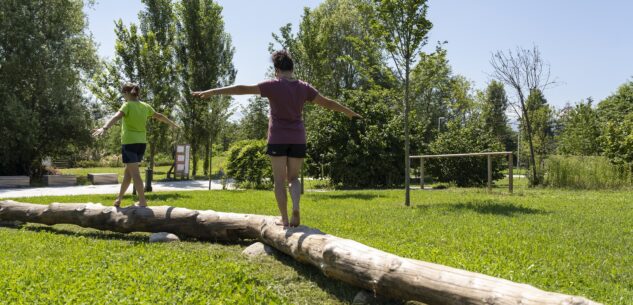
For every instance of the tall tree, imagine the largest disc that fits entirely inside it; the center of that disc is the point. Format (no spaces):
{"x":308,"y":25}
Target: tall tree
{"x":581,"y":130}
{"x":432,"y":90}
{"x":254,"y":122}
{"x":541,"y":117}
{"x":45,"y":57}
{"x":205,"y":54}
{"x":524,"y":71}
{"x":403,"y":28}
{"x":144,"y":54}
{"x":494,"y":111}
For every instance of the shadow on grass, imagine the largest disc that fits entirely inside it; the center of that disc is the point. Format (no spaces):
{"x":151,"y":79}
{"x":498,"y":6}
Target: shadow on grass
{"x":165,"y":196}
{"x":487,"y":207}
{"x":342,"y":196}
{"x":135,"y":237}
{"x":89,"y":233}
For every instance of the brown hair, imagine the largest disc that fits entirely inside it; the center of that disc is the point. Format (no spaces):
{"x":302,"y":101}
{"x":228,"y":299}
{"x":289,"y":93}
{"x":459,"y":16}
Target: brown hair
{"x":131,"y":88}
{"x":282,"y":60}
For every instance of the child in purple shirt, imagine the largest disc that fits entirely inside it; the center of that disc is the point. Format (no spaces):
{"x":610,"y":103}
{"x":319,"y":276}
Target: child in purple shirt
{"x":286,"y":132}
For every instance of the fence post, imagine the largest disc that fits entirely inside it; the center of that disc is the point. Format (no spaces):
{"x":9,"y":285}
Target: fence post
{"x":421,"y":173}
{"x":510,"y":174}
{"x":489,"y":173}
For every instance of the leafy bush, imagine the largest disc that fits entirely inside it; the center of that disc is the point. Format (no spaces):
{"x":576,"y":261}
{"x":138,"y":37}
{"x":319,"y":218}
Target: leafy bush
{"x":465,"y":171}
{"x":587,"y":173}
{"x":248,"y":164}
{"x":367,"y":152}
{"x":107,"y":161}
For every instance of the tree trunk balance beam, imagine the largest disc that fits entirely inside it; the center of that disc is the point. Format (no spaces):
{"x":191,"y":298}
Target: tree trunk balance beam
{"x":342,"y":259}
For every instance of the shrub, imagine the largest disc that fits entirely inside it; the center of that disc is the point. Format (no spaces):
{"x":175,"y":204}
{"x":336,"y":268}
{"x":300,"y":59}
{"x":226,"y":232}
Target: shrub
{"x":465,"y":171}
{"x":248,"y":164}
{"x":578,"y":172}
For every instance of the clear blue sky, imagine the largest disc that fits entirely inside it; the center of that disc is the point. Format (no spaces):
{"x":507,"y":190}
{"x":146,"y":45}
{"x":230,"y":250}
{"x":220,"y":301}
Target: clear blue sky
{"x":589,"y":44}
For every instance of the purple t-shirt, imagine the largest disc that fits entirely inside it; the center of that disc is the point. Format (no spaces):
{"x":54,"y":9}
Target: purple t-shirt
{"x":286,"y":98}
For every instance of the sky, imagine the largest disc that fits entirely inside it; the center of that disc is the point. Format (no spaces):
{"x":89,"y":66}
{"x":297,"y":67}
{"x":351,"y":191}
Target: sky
{"x":588,"y":44}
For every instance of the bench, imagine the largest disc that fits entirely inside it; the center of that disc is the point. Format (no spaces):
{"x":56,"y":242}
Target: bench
{"x":60,"y":180}
{"x":14,"y":181}
{"x":103,"y":178}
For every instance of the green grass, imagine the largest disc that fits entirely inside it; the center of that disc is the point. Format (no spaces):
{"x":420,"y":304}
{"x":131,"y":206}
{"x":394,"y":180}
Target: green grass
{"x":574,"y":242}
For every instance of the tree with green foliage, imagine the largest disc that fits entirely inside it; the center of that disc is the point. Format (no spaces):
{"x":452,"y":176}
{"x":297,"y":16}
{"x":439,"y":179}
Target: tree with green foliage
{"x":494,"y":112}
{"x":334,"y":49}
{"x":144,"y":54}
{"x":431,"y":93}
{"x":402,"y":26}
{"x":204,"y":52}
{"x":581,"y":133}
{"x":254,"y":122}
{"x":359,"y":153}
{"x":541,"y":118}
{"x":618,"y":105}
{"x":46,"y":55}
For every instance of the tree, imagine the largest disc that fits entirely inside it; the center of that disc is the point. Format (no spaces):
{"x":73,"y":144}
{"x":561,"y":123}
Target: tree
{"x":541,"y":117}
{"x":334,"y":49}
{"x":205,"y":54}
{"x":46,"y":56}
{"x":403,"y":28}
{"x":144,"y":54}
{"x":254,"y":122}
{"x":431,"y":93}
{"x":581,"y":130}
{"x":359,"y":153}
{"x":523,"y":70}
{"x":494,"y":112}
{"x":618,"y":105}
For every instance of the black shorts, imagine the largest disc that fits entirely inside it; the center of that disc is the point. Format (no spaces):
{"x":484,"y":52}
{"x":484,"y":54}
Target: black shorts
{"x":290,"y":150}
{"x":133,"y":153}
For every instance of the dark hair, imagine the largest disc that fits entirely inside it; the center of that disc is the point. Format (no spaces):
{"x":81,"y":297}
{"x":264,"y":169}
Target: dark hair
{"x":131,"y":88}
{"x":282,"y":60}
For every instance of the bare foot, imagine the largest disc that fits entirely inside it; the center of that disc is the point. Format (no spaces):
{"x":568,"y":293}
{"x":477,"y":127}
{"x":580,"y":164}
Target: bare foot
{"x":140,"y":205}
{"x":117,"y":203}
{"x":296,"y":220}
{"x":281,"y":222}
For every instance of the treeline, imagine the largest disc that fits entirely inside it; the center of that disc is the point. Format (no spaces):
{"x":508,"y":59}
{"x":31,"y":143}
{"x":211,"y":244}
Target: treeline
{"x":54,"y":89}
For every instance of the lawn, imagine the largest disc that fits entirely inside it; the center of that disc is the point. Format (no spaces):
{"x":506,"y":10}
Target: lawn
{"x":574,"y":242}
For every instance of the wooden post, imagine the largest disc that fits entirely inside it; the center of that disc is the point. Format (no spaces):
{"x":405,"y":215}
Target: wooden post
{"x":510,"y":174}
{"x":489,"y":173}
{"x":421,"y":173}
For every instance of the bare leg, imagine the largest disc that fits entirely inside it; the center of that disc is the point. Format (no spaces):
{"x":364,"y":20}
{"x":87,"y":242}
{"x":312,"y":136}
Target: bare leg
{"x":124,"y":185}
{"x":138,"y":183}
{"x":294,"y":168}
{"x":279,"y":175}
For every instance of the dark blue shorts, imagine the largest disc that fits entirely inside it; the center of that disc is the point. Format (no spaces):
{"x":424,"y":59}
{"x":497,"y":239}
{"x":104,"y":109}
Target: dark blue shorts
{"x":133,"y":153}
{"x":290,"y":150}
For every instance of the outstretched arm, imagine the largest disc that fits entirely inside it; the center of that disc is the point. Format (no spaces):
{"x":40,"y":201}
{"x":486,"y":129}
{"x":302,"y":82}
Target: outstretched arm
{"x":333,"y":105}
{"x":164,"y":119}
{"x":111,"y":121}
{"x":230,"y":90}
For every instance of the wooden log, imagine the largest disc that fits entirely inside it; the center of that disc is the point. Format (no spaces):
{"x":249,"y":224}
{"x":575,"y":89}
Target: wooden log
{"x":343,"y":259}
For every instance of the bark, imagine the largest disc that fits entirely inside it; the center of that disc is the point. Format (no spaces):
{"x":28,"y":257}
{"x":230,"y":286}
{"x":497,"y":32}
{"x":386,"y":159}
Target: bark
{"x":342,"y":259}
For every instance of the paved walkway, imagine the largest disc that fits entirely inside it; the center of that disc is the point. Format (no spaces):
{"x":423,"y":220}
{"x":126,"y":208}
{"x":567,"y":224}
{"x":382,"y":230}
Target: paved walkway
{"x":158,"y":186}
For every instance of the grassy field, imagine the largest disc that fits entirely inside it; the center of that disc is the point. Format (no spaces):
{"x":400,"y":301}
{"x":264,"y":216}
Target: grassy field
{"x":575,"y":242}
